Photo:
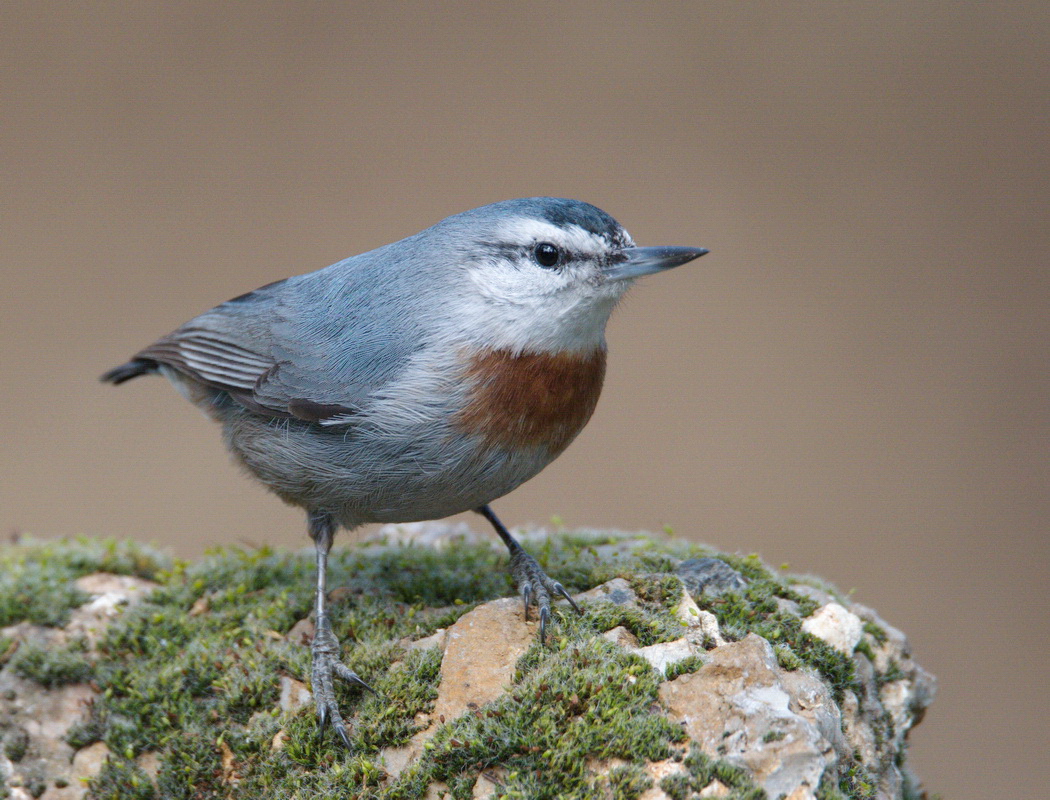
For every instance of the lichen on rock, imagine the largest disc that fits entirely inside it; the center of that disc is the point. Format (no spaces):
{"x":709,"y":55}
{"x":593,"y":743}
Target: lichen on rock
{"x":688,"y":674}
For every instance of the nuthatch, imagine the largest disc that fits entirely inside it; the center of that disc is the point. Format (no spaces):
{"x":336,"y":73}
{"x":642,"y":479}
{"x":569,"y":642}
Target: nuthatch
{"x":415,"y":381}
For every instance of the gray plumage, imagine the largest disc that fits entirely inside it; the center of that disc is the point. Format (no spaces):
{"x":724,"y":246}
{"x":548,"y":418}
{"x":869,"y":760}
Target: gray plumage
{"x":359,"y":391}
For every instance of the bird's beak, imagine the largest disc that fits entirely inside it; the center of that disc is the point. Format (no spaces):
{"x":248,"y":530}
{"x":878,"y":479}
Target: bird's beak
{"x":647,"y":260}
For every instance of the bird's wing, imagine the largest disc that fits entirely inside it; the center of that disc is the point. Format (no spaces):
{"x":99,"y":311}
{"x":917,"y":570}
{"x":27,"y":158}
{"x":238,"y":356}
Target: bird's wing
{"x":210,"y":355}
{"x":286,"y":350}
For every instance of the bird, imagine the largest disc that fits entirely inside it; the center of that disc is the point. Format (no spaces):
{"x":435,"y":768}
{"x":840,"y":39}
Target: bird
{"x":415,"y":381}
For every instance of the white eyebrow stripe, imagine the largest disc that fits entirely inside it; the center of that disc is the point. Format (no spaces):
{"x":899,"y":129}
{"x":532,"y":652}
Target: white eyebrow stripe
{"x":526,"y":231}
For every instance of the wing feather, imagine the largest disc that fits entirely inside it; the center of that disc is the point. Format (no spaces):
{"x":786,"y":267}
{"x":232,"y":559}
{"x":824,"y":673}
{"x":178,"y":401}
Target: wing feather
{"x":224,"y":365}
{"x":308,"y":347}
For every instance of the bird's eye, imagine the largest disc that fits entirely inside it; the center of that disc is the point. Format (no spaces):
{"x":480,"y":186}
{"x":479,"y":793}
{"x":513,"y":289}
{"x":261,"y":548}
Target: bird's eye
{"x":547,"y":255}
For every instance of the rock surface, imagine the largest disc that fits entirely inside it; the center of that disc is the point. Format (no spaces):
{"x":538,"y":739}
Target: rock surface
{"x":741,"y":706}
{"x":836,"y":626}
{"x":35,"y":718}
{"x":481,"y":650}
{"x":829,"y":694}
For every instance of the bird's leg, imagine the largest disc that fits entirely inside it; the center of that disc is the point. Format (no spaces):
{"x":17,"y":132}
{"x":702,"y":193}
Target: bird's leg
{"x":533,"y":582}
{"x":325,"y":647}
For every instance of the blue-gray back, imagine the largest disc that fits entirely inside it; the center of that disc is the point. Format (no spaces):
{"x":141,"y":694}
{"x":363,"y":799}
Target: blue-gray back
{"x":315,"y":345}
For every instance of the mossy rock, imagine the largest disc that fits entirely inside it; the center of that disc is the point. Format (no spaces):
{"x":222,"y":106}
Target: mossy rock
{"x":189,"y":678}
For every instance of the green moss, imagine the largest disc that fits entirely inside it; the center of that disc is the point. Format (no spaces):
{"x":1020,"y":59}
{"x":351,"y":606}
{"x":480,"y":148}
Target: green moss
{"x":701,"y":770}
{"x":628,"y":782}
{"x":406,"y":689}
{"x":192,"y":673}
{"x":86,"y":732}
{"x":54,"y":665}
{"x":648,"y":626}
{"x":36,"y":579}
{"x":683,"y":667}
{"x":664,"y":590}
{"x":121,"y":779}
{"x":876,"y":632}
{"x":34,"y":786}
{"x":893,"y":673}
{"x":864,"y":646}
{"x":786,"y":657}
{"x":855,"y":784}
{"x":755,"y":610}
{"x":16,"y":742}
{"x":586,"y":700}
{"x":830,"y":792}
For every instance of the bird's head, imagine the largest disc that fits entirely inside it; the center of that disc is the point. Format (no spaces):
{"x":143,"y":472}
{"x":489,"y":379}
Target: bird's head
{"x":544,"y":273}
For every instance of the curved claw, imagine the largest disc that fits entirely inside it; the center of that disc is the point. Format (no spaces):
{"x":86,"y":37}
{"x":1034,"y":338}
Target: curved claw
{"x":526,"y":595}
{"x":351,"y":677}
{"x":545,"y":615}
{"x":328,"y":715}
{"x":341,"y":730}
{"x":559,"y":589}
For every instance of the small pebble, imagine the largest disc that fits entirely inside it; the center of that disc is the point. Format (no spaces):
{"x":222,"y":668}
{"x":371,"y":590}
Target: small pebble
{"x":709,"y":575}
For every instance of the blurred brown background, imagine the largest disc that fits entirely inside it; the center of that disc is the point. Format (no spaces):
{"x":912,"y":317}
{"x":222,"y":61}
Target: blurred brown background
{"x":855,"y":381}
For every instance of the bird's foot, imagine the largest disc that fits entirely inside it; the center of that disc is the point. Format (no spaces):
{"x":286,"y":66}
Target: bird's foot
{"x":535,"y":586}
{"x":327,"y":666}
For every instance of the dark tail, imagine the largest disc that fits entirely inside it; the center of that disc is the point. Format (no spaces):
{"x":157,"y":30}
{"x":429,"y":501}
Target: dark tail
{"x":125,"y":372}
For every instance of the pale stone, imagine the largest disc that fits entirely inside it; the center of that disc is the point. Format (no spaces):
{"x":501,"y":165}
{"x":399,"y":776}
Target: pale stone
{"x":150,"y":764}
{"x":836,"y":625}
{"x":621,"y":636}
{"x":50,"y":713}
{"x":396,"y":759}
{"x":488,"y":783}
{"x":424,"y":534}
{"x":695,"y":619}
{"x":896,"y":698}
{"x":46,"y":715}
{"x":715,"y":789}
{"x":294,"y":695}
{"x":437,"y":639}
{"x":279,"y":740}
{"x":858,"y":733}
{"x":663,"y":655}
{"x":739,"y":696}
{"x":709,"y":627}
{"x":301,"y":632}
{"x":28,"y":633}
{"x":88,"y":761}
{"x":111,"y":594}
{"x":868,"y":727}
{"x":201,"y":605}
{"x":617,"y":591}
{"x":483,"y":647}
{"x":100,"y":583}
{"x":86,"y":764}
{"x":603,"y":766}
{"x":481,"y":651}
{"x":906,"y":698}
{"x":813,"y":593}
{"x":230,"y":776}
{"x":658,"y":770}
{"x":6,"y":768}
{"x":438,"y":790}
{"x":687,"y":611}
